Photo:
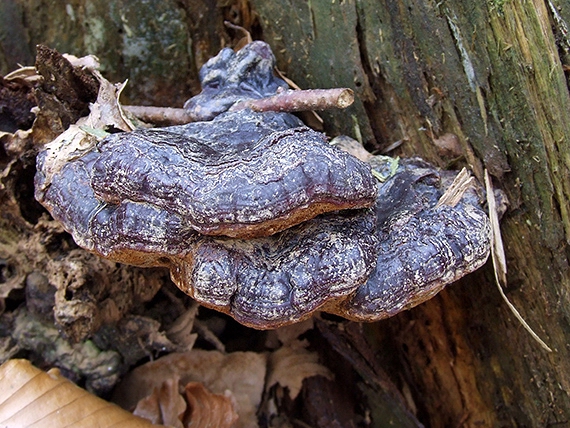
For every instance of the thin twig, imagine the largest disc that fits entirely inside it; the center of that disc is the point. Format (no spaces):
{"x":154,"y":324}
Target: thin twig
{"x":394,"y":146}
{"x":311,"y":118}
{"x":309,"y":99}
{"x":290,"y":101}
{"x":161,"y":115}
{"x":204,"y":331}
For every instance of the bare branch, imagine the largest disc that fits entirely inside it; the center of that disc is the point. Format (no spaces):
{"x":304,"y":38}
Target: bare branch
{"x":302,"y":100}
{"x":161,"y":115}
{"x":309,"y":99}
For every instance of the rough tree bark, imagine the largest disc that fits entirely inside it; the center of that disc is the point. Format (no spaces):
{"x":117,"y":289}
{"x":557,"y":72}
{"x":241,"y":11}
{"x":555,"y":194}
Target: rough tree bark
{"x":489,"y":76}
{"x":492,"y":75}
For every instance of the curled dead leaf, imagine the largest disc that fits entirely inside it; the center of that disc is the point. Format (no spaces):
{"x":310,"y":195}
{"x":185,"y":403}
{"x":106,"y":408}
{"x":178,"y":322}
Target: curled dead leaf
{"x":32,"y":397}
{"x":291,"y":364}
{"x":207,"y":409}
{"x":242,"y":373}
{"x":448,"y":145}
{"x":180,"y":332}
{"x":289,"y":333}
{"x":90,"y":62}
{"x":194,"y":407}
{"x":164,"y":406}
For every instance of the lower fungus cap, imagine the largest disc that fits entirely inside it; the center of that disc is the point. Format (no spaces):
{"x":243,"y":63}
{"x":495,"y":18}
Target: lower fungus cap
{"x":284,"y":278}
{"x":364,"y":264}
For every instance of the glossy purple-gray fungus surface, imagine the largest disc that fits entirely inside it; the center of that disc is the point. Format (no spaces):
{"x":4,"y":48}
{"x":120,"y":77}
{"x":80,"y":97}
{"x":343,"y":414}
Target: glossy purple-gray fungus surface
{"x":422,"y":247}
{"x":130,"y":232}
{"x":248,"y":210}
{"x":243,"y":174}
{"x":284,"y":278}
{"x":364,"y":265}
{"x":231,"y":77}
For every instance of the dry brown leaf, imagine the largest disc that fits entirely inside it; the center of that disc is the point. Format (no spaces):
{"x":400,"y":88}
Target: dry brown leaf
{"x":107,"y":110}
{"x":30,"y":397}
{"x":28,"y":73}
{"x":180,"y":332}
{"x":164,"y":406}
{"x":199,"y":409}
{"x":449,"y":145}
{"x":290,"y":333}
{"x":242,"y":373}
{"x":76,"y":140}
{"x":207,"y":409}
{"x":290,"y":364}
{"x":72,"y":143}
{"x":90,"y":62}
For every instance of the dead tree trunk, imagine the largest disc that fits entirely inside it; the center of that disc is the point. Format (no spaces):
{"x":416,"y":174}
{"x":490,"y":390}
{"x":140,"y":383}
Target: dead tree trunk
{"x":455,"y":82}
{"x":491,"y":77}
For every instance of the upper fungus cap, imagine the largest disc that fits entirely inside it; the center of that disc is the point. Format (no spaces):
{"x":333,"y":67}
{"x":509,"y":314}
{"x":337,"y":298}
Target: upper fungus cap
{"x":243,"y":174}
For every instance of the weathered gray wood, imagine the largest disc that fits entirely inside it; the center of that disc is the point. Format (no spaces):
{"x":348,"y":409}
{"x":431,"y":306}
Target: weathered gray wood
{"x":489,"y":75}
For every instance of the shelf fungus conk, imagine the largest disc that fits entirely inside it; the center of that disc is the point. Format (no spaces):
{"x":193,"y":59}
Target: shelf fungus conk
{"x":257,"y":216}
{"x":241,"y":175}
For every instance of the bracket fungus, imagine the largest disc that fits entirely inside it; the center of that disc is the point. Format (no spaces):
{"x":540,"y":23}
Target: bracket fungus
{"x":231,"y":77}
{"x":257,"y":215}
{"x":242,"y":174}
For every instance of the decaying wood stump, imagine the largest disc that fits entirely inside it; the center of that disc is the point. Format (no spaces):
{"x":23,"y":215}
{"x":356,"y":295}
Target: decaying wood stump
{"x":480,"y":84}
